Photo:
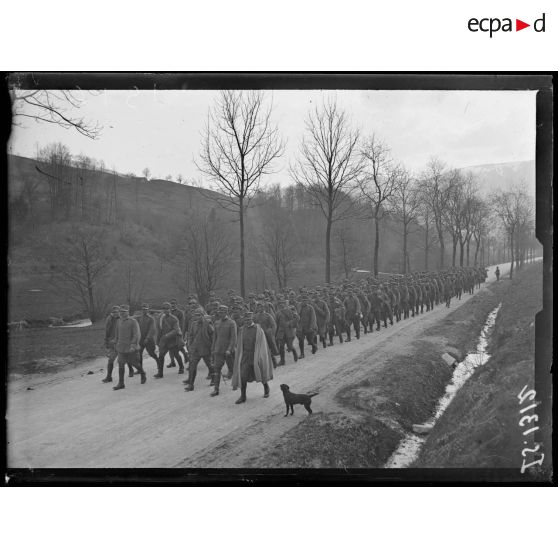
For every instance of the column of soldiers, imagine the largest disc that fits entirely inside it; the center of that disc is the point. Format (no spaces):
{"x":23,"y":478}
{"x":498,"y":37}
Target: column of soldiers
{"x":247,"y":335}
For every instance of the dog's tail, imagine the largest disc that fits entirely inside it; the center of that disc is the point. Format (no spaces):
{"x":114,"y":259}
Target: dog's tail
{"x":312,"y":394}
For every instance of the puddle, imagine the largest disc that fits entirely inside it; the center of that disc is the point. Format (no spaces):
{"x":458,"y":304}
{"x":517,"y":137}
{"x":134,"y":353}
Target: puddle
{"x":410,"y":446}
{"x":79,"y":323}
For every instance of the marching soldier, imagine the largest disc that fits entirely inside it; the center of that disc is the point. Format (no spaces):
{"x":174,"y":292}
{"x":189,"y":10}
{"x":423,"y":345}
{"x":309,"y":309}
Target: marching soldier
{"x":222,"y":349}
{"x":147,"y":334}
{"x":169,"y":338}
{"x":252,"y":360}
{"x":127,"y":345}
{"x":110,"y":341}
{"x":200,"y":340}
{"x":307,"y":327}
{"x":352,"y":314}
{"x":266,"y":321}
{"x":322,"y":318}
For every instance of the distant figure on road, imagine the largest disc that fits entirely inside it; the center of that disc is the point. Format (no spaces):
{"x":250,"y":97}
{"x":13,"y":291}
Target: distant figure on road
{"x":252,"y":361}
{"x":497,"y":273}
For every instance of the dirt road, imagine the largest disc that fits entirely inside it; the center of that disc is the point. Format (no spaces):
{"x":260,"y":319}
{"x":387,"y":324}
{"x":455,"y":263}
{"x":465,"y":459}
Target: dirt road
{"x":71,"y":419}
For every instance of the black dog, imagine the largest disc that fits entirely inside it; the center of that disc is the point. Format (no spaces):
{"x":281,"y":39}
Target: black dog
{"x":296,"y":399}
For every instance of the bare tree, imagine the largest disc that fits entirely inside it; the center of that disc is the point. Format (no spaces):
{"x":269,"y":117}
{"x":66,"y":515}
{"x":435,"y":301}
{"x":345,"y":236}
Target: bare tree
{"x":55,"y":162}
{"x":380,"y":182}
{"x":329,"y":165}
{"x":279,"y":245}
{"x":239,"y":146}
{"x":180,"y":179}
{"x":30,"y":195}
{"x":452,"y":215}
{"x":346,"y":246}
{"x":53,"y":107}
{"x":436,"y":193}
{"x":205,"y":252}
{"x":168,"y":177}
{"x":146,"y":173}
{"x":406,"y":205}
{"x":134,"y":285}
{"x":480,"y":220}
{"x":80,"y":261}
{"x":515,"y":211}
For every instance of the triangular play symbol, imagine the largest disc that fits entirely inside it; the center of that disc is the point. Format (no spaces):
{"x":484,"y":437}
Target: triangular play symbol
{"x":519,"y":25}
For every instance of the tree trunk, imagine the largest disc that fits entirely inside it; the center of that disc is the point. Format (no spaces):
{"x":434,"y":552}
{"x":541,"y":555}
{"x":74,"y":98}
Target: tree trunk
{"x":461,"y":253}
{"x":242,"y":255}
{"x":376,"y":246}
{"x":454,"y":252}
{"x":442,"y":249}
{"x":476,"y":254}
{"x":426,"y":246}
{"x":328,"y":249}
{"x":405,"y":257}
{"x":511,"y":253}
{"x":468,"y":250}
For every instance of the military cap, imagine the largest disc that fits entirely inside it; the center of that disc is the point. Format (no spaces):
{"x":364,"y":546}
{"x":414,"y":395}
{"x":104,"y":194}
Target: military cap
{"x":145,"y":306}
{"x":115,"y":308}
{"x":166,"y":305}
{"x":248,"y":314}
{"x":223,"y":307}
{"x":124,"y":307}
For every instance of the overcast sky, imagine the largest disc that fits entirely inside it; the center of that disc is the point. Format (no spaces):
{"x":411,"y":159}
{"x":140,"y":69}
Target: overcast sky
{"x":161,"y":129}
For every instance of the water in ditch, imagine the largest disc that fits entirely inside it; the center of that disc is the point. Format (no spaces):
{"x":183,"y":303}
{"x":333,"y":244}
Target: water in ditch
{"x":409,"y":448}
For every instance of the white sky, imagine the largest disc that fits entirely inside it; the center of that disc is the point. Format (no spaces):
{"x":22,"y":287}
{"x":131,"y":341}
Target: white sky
{"x":161,"y":129}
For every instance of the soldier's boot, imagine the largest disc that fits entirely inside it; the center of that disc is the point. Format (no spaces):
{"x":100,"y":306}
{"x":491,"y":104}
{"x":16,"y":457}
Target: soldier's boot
{"x":323,"y":340}
{"x":216,"y":382}
{"x":274,"y":361}
{"x":295,"y":355}
{"x":120,"y":384}
{"x":378,"y":325}
{"x":108,"y":378}
{"x":191,"y":380}
{"x":331,"y":336}
{"x":282,"y":356}
{"x":130,"y":371}
{"x":357,"y":330}
{"x":171,"y":364}
{"x":348,"y":335}
{"x":242,"y":398}
{"x":300,"y":347}
{"x":143,"y":375}
{"x":314,"y":347}
{"x":266,"y":390}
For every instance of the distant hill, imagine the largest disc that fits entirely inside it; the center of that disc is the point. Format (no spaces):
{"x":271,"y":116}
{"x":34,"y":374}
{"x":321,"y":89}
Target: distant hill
{"x":502,"y":175}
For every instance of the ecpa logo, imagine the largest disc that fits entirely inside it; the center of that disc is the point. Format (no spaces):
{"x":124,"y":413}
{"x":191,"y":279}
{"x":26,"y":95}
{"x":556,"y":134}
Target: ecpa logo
{"x":492,"y":25}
